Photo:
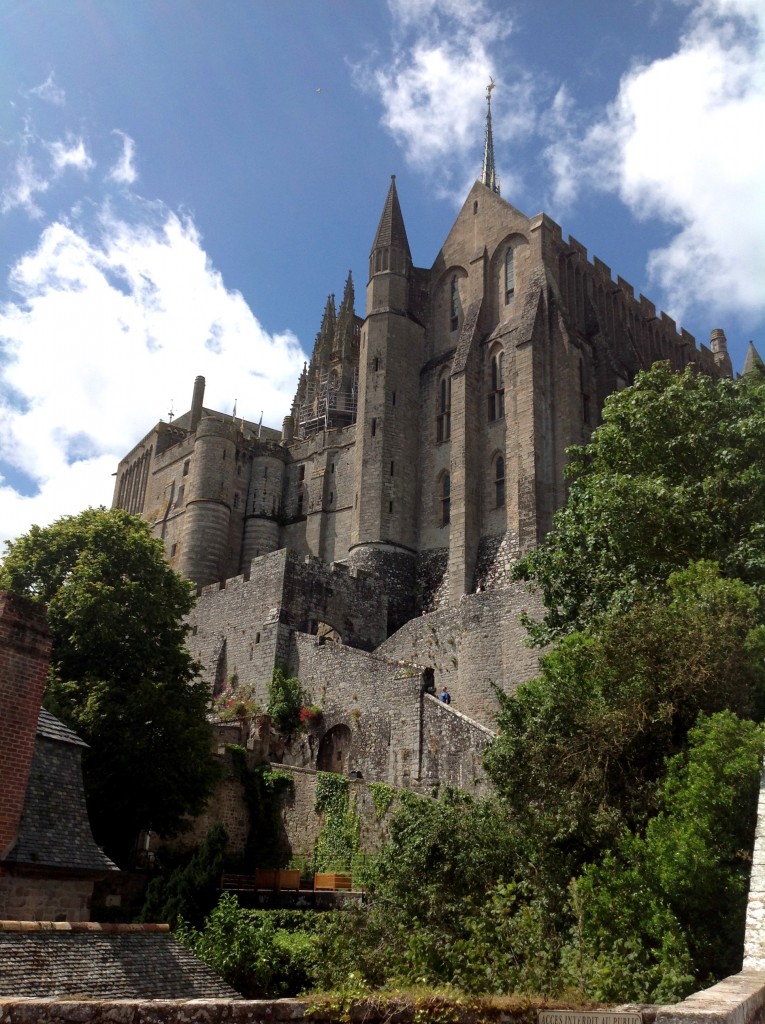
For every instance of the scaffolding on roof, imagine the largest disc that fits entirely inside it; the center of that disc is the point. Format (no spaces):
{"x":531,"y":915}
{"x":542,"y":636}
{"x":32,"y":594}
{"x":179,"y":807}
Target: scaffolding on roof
{"x":326,"y":406}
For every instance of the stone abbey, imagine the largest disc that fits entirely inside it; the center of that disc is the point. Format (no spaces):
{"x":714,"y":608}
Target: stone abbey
{"x":365,"y":545}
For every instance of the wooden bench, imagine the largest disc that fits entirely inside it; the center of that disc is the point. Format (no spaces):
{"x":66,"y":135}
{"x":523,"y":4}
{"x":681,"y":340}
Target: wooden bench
{"x":238,"y":883}
{"x":331,"y":881}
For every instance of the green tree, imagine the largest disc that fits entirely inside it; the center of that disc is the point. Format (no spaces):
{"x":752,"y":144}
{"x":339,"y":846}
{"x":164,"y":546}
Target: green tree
{"x":581,"y":748}
{"x":262,"y":954}
{"x":664,"y":911}
{"x":285,"y":699}
{"x":192,"y":890}
{"x":428,"y":883}
{"x":674,"y":474}
{"x":120,"y":673}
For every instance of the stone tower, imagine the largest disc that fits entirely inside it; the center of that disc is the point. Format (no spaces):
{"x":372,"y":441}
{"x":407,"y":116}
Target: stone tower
{"x":383,"y":526}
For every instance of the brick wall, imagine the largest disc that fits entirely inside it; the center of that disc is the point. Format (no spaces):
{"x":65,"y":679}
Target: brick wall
{"x":24,"y":653}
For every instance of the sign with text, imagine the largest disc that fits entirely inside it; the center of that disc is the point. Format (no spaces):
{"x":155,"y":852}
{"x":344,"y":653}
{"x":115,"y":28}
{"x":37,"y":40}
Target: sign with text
{"x":587,"y":1017}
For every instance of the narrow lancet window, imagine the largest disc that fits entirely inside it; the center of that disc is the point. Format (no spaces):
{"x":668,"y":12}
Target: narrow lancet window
{"x":497,"y":385}
{"x":443,"y":413}
{"x":509,"y":276}
{"x":499,"y":482}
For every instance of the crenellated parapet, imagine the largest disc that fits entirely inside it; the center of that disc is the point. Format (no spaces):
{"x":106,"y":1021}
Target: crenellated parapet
{"x":598,"y":304}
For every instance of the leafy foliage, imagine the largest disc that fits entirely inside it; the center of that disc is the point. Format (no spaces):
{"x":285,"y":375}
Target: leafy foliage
{"x":191,"y":891}
{"x":263,"y":787}
{"x":338,"y":840}
{"x":584,"y":744}
{"x":674,"y":474}
{"x":286,"y":698}
{"x":664,"y":911}
{"x":383,"y":796}
{"x":239,"y":703}
{"x":120,"y":674}
{"x":420,"y":895}
{"x":250,"y":950}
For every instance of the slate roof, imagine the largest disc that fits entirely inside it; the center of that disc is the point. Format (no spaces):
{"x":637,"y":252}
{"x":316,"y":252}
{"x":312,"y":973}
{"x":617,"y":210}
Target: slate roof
{"x":391,"y":230}
{"x":52,"y":729}
{"x":54,"y":831}
{"x":40,"y":960}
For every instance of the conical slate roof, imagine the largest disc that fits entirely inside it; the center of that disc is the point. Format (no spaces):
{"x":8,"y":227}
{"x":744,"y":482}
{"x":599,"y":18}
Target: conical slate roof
{"x":391,"y":231}
{"x":753,"y":360}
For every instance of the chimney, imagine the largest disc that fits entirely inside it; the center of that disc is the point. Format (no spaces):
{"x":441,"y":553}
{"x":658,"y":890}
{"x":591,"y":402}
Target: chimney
{"x":719,"y":346}
{"x":196,"y":403}
{"x":24,"y":654}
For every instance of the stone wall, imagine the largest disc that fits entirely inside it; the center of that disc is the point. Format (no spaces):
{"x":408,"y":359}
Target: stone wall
{"x":235,"y":626}
{"x":453,"y":746}
{"x":239,"y":628}
{"x":471,"y":646}
{"x":300,"y":822}
{"x":30,"y":898}
{"x":754,"y":939}
{"x":377,"y":700}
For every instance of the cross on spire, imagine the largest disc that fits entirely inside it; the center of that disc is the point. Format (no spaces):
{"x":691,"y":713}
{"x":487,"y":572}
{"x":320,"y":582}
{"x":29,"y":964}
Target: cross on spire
{"x":489,"y":175}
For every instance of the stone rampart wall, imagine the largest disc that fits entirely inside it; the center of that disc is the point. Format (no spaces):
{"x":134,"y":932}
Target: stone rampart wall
{"x":472,"y":645}
{"x":235,"y":626}
{"x":377,"y":700}
{"x":238,"y":626}
{"x":453,"y":746}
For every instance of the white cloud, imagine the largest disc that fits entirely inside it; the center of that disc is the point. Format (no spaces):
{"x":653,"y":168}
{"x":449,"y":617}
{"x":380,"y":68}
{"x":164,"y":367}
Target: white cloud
{"x":680,"y":143}
{"x":123,"y":171}
{"x":106,"y":327}
{"x":71,"y":153}
{"x":26,"y":182}
{"x":432,"y":86}
{"x":50,"y":92}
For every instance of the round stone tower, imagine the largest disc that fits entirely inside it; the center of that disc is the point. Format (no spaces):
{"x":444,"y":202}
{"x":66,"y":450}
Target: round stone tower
{"x":204,"y":551}
{"x":261,"y":518}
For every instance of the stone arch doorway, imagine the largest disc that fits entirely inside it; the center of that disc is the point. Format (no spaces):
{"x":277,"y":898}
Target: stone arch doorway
{"x":324,"y":631}
{"x":334,"y":750}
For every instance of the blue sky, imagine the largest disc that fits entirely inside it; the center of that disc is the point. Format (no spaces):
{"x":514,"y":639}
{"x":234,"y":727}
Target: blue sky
{"x":183,"y":182}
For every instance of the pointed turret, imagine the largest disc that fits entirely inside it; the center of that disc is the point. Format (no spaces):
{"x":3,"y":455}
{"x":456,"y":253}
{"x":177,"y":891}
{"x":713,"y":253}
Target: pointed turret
{"x":489,"y":174}
{"x":753,"y":362}
{"x":346,"y":331}
{"x":325,"y":339}
{"x":299,"y":399}
{"x":390,"y":250}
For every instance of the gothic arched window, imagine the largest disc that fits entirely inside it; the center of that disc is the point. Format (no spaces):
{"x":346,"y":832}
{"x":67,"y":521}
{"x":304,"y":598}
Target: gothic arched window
{"x":446,"y":499}
{"x":454,"y":305}
{"x":497,"y":384}
{"x":443,"y":408}
{"x":509,"y":276}
{"x":499,"y":482}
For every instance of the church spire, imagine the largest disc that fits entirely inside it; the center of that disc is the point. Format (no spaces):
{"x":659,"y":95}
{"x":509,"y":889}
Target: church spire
{"x":489,"y":175}
{"x":346,"y":334}
{"x":390,"y":249}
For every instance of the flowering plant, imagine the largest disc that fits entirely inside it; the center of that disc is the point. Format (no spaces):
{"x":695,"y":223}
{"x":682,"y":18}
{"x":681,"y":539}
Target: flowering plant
{"x":233,"y":704}
{"x":310,"y":714}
